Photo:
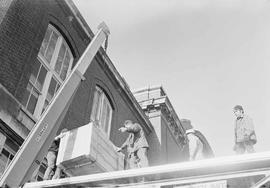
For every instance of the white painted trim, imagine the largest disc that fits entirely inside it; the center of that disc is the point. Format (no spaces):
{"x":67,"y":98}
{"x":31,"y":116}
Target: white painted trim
{"x":103,"y":97}
{"x":50,"y":67}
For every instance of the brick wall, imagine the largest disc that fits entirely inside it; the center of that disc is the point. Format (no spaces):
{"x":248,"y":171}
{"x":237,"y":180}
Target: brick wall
{"x":171,"y":150}
{"x":81,"y":106}
{"x":17,"y":32}
{"x":4,"y":6}
{"x":23,"y":24}
{"x":21,"y":33}
{"x":157,"y":150}
{"x":163,"y":146}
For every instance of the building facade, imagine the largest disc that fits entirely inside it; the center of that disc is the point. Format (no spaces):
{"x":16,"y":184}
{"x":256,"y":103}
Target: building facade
{"x":171,"y":139}
{"x":170,"y":131}
{"x":40,"y":43}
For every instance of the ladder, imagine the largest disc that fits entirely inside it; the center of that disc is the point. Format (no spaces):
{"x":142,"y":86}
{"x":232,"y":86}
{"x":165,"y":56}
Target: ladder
{"x":36,"y":145}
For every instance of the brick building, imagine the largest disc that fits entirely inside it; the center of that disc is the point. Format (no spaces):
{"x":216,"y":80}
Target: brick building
{"x":169,"y":129}
{"x":170,"y":135}
{"x":40,"y":42}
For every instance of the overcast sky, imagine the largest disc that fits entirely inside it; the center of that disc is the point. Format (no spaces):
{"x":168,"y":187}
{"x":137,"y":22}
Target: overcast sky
{"x":209,"y":55}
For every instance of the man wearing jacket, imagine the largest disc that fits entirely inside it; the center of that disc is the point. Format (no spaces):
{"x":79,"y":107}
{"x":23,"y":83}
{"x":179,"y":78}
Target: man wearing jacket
{"x":136,"y":144}
{"x":52,"y":156}
{"x":245,"y":136}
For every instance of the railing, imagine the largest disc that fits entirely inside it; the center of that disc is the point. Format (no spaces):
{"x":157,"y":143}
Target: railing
{"x":185,"y":173}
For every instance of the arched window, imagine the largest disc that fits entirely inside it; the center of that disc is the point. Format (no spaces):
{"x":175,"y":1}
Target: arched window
{"x":50,"y":69}
{"x":102,"y":110}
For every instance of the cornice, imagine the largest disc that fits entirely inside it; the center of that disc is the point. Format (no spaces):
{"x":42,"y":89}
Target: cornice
{"x":164,"y":106}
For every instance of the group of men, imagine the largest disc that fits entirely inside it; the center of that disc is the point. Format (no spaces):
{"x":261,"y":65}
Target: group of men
{"x":137,"y":145}
{"x":244,"y":136}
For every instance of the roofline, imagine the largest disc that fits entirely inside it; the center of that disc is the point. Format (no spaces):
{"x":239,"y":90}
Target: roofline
{"x":149,"y":88}
{"x":108,"y":61}
{"x":126,"y":88}
{"x":79,"y":18}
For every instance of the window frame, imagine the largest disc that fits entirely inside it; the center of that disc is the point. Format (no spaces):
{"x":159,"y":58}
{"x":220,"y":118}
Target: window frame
{"x":103,"y":97}
{"x":40,"y":175}
{"x":7,"y":146}
{"x":51,"y":72}
{"x":10,"y":156}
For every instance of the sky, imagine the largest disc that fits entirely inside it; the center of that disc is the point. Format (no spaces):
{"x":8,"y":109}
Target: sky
{"x":208,"y":55}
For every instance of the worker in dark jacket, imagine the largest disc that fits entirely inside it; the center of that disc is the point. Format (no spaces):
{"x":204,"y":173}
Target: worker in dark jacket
{"x":136,"y":145}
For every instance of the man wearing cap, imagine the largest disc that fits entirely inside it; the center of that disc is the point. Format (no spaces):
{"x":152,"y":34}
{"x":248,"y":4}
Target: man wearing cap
{"x":136,"y":145}
{"x":245,"y":136}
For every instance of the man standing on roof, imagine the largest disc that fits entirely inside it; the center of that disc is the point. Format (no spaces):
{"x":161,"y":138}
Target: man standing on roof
{"x":245,"y":136}
{"x":198,"y":146}
{"x":136,"y":144}
{"x":195,"y":145}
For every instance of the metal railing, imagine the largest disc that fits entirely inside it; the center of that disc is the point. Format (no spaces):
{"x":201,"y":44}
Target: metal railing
{"x":184,"y":173}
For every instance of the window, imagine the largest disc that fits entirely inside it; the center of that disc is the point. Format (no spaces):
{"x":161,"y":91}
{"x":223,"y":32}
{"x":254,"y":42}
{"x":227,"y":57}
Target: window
{"x":102,"y":110}
{"x":38,"y":175}
{"x":7,"y":154}
{"x":50,"y":69}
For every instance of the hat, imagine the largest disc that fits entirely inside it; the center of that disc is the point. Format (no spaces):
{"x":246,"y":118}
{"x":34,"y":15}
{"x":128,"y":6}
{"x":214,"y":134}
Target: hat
{"x":64,"y":130}
{"x":238,"y":107}
{"x":127,"y":122}
{"x":186,"y":123}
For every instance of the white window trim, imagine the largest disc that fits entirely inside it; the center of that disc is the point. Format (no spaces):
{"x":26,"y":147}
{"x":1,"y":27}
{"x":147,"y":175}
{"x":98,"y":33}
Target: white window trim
{"x":103,"y":96}
{"x":111,"y":113}
{"x":11,"y":152}
{"x":51,"y":72}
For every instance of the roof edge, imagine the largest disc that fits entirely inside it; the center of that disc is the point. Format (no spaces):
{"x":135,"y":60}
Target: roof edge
{"x":108,"y":61}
